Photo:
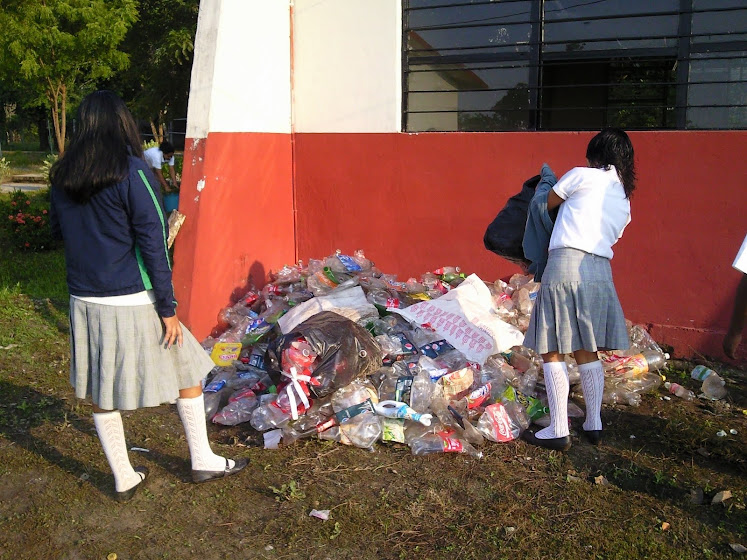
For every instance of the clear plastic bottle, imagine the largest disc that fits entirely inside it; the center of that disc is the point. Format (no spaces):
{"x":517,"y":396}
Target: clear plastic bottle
{"x":713,"y":385}
{"x":421,"y":391}
{"x":679,"y":391}
{"x":638,"y":364}
{"x":442,"y":442}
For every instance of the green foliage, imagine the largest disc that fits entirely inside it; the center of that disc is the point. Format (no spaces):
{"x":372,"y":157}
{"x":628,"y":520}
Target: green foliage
{"x":59,"y":49}
{"x":47,"y":165}
{"x":26,"y":221}
{"x":4,"y":168}
{"x":158,"y":83}
{"x":290,"y":491}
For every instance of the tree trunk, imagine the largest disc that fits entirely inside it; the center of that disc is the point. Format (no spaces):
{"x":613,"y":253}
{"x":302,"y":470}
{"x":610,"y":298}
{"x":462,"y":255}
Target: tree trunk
{"x":53,"y":93}
{"x":154,"y":131}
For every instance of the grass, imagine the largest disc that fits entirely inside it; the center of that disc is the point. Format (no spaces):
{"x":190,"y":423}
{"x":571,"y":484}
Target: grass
{"x":517,"y":502}
{"x":25,"y":161}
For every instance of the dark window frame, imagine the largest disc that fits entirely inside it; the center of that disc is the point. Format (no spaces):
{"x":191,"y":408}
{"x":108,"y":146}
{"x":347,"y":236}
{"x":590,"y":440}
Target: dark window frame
{"x":683,"y":50}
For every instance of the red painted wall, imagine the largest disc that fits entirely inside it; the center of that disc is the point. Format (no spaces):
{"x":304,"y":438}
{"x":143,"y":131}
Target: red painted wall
{"x":416,"y":202}
{"x":239,"y":226}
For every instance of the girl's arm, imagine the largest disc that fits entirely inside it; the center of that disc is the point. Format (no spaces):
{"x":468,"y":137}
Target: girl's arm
{"x":553,"y":200}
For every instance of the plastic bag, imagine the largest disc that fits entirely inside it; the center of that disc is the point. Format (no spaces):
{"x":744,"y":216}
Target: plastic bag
{"x":505,"y":234}
{"x":344,"y":351}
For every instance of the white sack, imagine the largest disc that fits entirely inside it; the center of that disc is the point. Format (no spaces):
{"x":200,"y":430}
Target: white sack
{"x":463,"y":317}
{"x":349,"y":302}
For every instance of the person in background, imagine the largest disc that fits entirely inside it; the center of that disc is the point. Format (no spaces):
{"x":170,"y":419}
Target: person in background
{"x":156,"y":157}
{"x":128,"y":348}
{"x":577,"y":310}
{"x":739,"y":314}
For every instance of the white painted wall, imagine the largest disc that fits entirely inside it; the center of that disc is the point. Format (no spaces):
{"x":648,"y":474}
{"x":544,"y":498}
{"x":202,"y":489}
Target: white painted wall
{"x":242,"y":68}
{"x":347,"y":59}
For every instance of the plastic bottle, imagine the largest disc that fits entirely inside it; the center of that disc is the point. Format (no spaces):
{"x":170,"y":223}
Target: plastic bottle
{"x":517,"y":360}
{"x":395,"y":409}
{"x":451,"y":419}
{"x":421,"y":391}
{"x":713,"y":386}
{"x":442,"y":442}
{"x":638,"y":364}
{"x":680,"y":391}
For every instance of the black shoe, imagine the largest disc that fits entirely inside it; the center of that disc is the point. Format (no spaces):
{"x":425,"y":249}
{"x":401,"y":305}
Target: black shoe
{"x":127,"y":495}
{"x":594,"y":437}
{"x":557,"y":444}
{"x":204,"y":476}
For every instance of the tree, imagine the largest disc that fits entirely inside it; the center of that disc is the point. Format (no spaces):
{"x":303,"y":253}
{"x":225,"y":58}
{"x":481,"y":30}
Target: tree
{"x":60,"y":49}
{"x":161,"y":46}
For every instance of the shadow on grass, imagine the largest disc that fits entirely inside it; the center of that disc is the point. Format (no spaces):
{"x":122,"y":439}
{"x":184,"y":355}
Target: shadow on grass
{"x":24,"y":411}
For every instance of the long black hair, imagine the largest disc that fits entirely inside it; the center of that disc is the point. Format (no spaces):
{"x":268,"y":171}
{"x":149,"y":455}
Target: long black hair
{"x":613,"y":147}
{"x":97,"y":155}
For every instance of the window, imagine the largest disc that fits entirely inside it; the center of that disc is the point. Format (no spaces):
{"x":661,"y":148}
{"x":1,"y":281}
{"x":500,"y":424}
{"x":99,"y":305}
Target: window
{"x":478,"y":65}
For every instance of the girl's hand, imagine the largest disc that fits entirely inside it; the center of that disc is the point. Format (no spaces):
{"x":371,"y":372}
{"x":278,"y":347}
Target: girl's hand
{"x":173,"y":331}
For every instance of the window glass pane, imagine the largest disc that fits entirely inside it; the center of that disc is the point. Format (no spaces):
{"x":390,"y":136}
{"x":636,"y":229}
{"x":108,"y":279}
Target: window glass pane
{"x":727,"y":21}
{"x":468,"y":97}
{"x":572,"y":26}
{"x":717,"y":95}
{"x":492,"y":27}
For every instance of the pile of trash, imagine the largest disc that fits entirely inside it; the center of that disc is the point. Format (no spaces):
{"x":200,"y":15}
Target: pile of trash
{"x":338,"y":350}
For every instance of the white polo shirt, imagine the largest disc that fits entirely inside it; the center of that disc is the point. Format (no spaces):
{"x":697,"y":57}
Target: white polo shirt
{"x":740,"y":263}
{"x":154,"y":157}
{"x":594,"y":212}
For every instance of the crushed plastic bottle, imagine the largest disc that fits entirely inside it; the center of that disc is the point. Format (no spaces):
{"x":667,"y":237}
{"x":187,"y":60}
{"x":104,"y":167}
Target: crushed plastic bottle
{"x":680,"y":391}
{"x":636,"y":365}
{"x":714,"y":387}
{"x":442,"y":442}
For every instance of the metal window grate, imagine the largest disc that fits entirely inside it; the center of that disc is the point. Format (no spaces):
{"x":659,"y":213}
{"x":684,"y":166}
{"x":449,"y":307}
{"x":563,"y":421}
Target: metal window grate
{"x":574,"y":64}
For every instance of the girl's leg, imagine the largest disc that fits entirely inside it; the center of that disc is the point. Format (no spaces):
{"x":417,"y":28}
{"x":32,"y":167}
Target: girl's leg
{"x":592,"y":386}
{"x":556,"y":383}
{"x":191,"y":407}
{"x":111,"y":435}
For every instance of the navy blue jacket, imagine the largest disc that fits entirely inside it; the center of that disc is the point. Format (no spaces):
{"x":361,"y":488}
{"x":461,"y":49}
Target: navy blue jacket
{"x":539,"y":225}
{"x":115,"y":244}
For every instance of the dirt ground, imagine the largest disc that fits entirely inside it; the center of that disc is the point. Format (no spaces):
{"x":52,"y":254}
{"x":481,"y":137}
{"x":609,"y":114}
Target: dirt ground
{"x":646,"y":492}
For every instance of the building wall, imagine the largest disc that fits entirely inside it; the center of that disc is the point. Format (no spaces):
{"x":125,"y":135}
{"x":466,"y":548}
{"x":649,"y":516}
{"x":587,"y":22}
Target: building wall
{"x":294,"y":151}
{"x":415,"y":202}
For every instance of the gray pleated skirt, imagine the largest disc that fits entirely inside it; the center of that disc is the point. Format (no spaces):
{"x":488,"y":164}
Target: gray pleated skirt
{"x":577,"y":306}
{"x":118,"y":358}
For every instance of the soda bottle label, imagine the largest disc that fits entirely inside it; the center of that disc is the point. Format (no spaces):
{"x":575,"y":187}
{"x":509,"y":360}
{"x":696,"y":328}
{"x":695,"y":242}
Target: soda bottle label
{"x":257,"y":361}
{"x":478,"y":396}
{"x":451,"y":445}
{"x":215,"y":386}
{"x":626,"y":365}
{"x":224,"y":353}
{"x":700,"y":373}
{"x":500,"y":422}
{"x":349,"y":263}
{"x":392,"y":302}
{"x":353,"y":411}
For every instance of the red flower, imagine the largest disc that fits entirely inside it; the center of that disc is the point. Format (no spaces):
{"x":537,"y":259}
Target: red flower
{"x":10,"y":217}
{"x":26,"y":244}
{"x":44,"y":211}
{"x":28,"y":202}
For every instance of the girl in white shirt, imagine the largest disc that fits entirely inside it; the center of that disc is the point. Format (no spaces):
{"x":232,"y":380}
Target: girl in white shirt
{"x":577,"y":310}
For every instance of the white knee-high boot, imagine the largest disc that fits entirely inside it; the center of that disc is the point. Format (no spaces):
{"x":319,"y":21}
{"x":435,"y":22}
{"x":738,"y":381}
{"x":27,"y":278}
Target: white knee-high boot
{"x":592,"y":386}
{"x":111,"y":434}
{"x":556,"y":383}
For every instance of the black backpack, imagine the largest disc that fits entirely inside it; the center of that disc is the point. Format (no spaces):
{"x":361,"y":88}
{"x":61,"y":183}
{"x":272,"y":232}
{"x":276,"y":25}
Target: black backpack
{"x":505,"y":233}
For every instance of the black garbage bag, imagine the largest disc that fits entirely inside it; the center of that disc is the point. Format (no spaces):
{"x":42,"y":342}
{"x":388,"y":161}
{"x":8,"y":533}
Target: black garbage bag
{"x":505,"y":233}
{"x":345,"y":351}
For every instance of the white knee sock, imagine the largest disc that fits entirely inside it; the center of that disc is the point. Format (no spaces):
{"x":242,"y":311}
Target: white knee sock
{"x":111,"y":434}
{"x":192,"y":413}
{"x":592,"y":385}
{"x":556,"y":383}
